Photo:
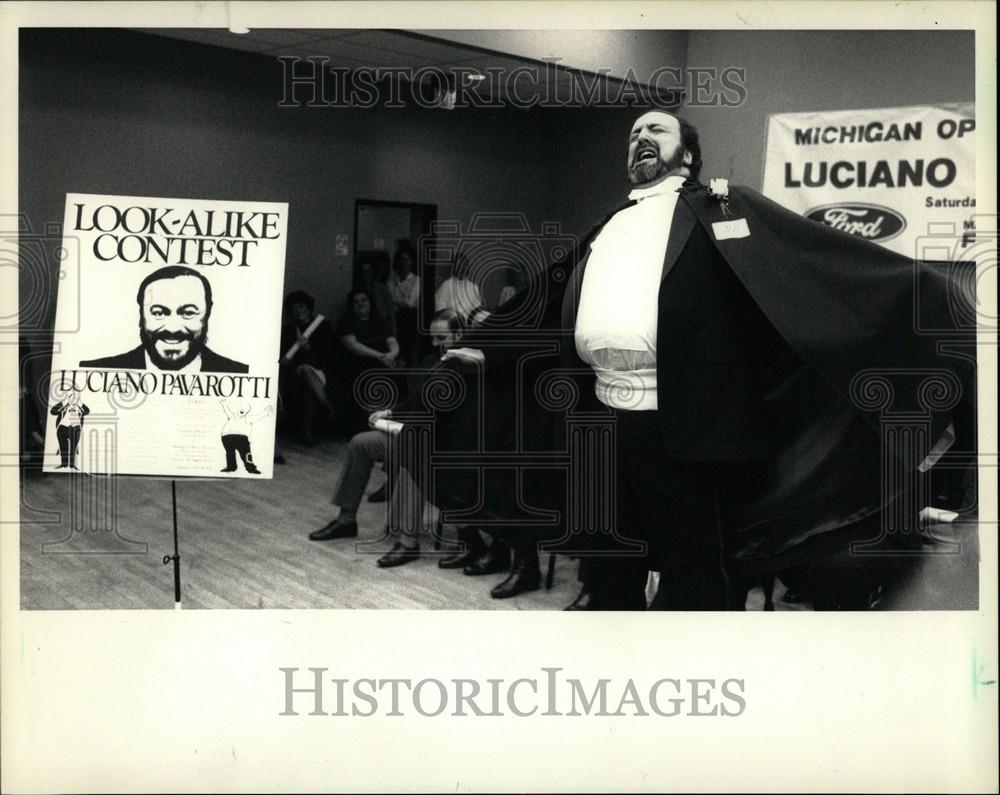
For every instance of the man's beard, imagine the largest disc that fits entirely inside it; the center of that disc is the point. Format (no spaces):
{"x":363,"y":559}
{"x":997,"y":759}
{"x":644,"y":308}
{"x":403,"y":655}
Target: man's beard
{"x":646,"y":171}
{"x":196,"y":344}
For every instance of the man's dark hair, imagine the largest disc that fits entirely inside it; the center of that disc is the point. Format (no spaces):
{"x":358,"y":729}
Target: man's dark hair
{"x":690,"y":142}
{"x":300,"y":297}
{"x":173,"y":272}
{"x":449,"y":315}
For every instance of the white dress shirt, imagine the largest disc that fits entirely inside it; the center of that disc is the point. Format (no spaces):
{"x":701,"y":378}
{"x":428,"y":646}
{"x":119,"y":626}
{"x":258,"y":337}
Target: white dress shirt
{"x":405,"y":292}
{"x":619,"y":299}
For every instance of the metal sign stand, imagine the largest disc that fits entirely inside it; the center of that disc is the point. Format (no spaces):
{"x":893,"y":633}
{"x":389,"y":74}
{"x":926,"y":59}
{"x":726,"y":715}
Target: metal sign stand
{"x":176,"y":557}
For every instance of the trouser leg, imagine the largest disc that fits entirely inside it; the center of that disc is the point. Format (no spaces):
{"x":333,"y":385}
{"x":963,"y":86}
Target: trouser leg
{"x":74,"y":442}
{"x":229,"y":443}
{"x":406,"y":507}
{"x":618,"y":583}
{"x":63,"y":437}
{"x":617,"y":565}
{"x":524,"y":542}
{"x":242,"y":446}
{"x":363,"y":451}
{"x":691,"y":556}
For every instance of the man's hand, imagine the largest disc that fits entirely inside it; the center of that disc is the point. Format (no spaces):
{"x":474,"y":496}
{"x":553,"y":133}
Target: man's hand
{"x":466,"y":355}
{"x":375,"y":416}
{"x":303,"y":340}
{"x":388,"y":359}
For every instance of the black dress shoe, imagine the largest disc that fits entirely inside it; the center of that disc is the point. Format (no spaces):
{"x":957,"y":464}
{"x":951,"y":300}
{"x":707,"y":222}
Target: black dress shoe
{"x":397,"y":556}
{"x":459,"y":561}
{"x":582,"y":601}
{"x":791,"y":597}
{"x":474,"y":548}
{"x":519,"y":581}
{"x":335,"y":529}
{"x":379,"y":495}
{"x":495,"y":559}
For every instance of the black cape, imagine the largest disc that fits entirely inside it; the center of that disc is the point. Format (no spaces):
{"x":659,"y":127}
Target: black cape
{"x":889,"y":344}
{"x":888,"y":350}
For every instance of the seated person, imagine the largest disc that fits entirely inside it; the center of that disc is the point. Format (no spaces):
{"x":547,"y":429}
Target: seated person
{"x":370,"y":446}
{"x":307,"y":350}
{"x":499,"y":488}
{"x":368,"y":342}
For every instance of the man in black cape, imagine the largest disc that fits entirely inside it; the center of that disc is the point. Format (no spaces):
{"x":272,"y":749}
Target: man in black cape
{"x":756,"y":420}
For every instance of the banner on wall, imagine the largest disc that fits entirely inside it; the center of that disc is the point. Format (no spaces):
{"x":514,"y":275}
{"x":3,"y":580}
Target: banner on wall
{"x":169,"y":318}
{"x":892,"y":175}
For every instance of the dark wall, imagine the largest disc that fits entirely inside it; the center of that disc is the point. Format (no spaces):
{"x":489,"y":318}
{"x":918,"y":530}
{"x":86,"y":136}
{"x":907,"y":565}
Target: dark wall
{"x":106,"y":111}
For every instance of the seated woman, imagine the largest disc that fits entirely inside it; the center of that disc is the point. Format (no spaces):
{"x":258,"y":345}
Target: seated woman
{"x":307,"y":350}
{"x":368,"y":342}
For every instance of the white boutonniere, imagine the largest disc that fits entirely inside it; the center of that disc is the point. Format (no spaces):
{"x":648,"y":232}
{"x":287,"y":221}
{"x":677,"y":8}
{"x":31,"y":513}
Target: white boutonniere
{"x":718,"y":189}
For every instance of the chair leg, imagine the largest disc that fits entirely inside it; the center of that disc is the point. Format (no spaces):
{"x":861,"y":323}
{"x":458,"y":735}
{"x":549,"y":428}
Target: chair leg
{"x":551,"y":573}
{"x":438,"y":531}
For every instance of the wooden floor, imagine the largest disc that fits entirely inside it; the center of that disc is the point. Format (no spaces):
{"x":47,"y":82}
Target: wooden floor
{"x":243,"y":545}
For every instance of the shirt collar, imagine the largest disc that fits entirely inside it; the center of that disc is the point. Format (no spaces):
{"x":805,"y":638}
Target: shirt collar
{"x":669,"y":185}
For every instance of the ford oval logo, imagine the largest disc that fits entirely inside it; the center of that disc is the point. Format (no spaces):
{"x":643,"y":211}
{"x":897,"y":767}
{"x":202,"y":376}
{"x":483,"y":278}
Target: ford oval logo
{"x":869,"y":221}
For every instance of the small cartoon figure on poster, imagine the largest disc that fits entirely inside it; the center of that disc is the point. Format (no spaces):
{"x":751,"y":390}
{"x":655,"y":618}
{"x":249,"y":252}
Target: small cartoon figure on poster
{"x":69,"y":425}
{"x":236,"y":435}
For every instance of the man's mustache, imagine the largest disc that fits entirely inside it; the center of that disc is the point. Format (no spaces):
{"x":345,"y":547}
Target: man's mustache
{"x":642,"y":148}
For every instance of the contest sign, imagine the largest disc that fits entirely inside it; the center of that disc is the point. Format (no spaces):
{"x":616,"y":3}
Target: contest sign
{"x":891,"y":175}
{"x":166,"y":362}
